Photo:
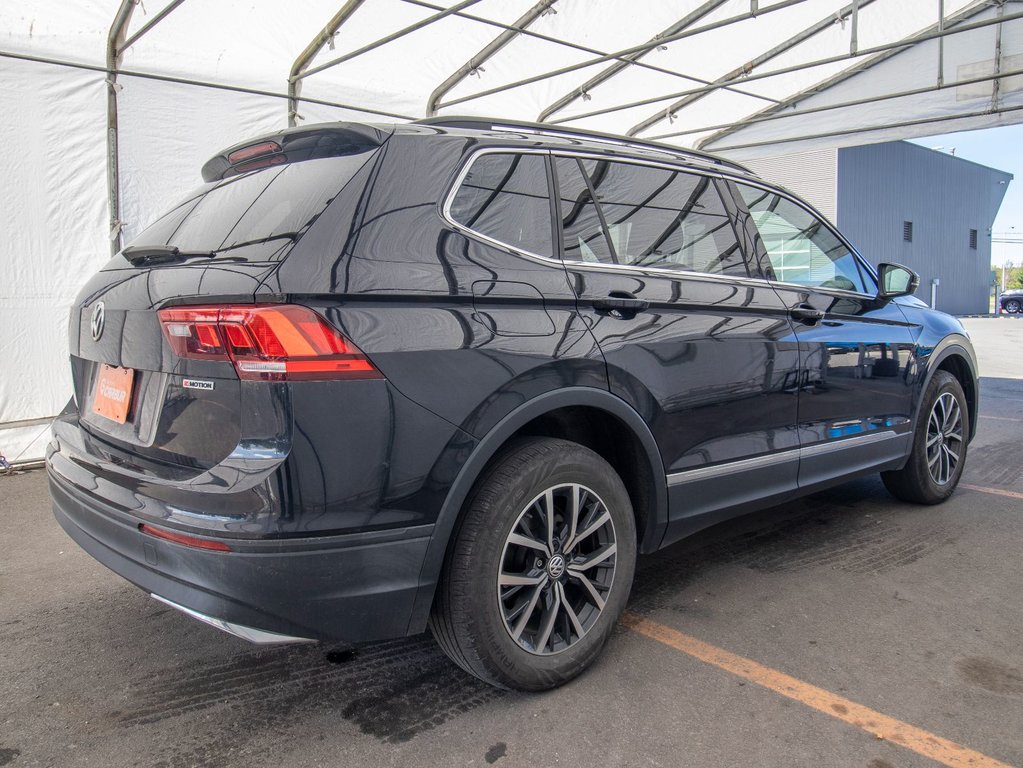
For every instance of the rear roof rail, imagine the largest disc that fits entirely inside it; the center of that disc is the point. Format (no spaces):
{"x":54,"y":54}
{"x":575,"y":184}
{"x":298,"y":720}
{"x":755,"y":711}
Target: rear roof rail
{"x":545,"y":129}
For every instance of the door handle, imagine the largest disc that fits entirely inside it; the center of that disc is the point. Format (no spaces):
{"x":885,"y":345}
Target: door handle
{"x":622,"y":302}
{"x":806,"y":314}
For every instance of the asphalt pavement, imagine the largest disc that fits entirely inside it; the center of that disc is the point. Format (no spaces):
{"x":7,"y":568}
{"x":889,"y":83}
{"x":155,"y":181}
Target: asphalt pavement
{"x":846,"y":629}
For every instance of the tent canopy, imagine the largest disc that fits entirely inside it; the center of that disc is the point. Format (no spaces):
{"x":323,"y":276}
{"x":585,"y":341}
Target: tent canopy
{"x":113,"y":105}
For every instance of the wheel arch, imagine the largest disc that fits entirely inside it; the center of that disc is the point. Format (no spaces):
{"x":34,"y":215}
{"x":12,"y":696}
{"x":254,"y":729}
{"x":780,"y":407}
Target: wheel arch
{"x":550,"y":414}
{"x":955,"y":355}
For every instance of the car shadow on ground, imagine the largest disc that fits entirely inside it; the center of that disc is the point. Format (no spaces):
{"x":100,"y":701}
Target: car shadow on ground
{"x":397,"y":689}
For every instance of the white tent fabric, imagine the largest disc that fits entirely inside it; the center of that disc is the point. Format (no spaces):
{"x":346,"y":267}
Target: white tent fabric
{"x":741,"y":77}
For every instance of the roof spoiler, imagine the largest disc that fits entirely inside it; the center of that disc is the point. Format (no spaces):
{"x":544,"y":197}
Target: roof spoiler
{"x":294,"y":145}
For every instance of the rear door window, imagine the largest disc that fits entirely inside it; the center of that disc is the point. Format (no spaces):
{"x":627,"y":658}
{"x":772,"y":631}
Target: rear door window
{"x":256,"y":216}
{"x":505,"y":197}
{"x":662,"y":218}
{"x":582,"y":231}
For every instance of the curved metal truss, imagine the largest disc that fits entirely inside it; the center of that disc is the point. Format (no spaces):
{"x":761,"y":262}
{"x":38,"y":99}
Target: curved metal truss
{"x":595,"y":71}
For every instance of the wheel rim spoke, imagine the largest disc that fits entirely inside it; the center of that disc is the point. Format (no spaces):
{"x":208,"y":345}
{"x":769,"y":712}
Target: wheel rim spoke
{"x":549,"y":515}
{"x":570,"y":612}
{"x":547,"y":621}
{"x":953,"y":422}
{"x":527,"y":613}
{"x":557,"y":569}
{"x":588,"y":585}
{"x":590,"y":529}
{"x":573,"y":516}
{"x":944,"y":441}
{"x":530,"y":543}
{"x":520,"y":579}
{"x":595,"y":559}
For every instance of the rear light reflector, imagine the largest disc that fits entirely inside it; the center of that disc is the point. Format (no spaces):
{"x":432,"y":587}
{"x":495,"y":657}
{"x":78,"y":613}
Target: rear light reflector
{"x":184,"y":539}
{"x":275,"y":342}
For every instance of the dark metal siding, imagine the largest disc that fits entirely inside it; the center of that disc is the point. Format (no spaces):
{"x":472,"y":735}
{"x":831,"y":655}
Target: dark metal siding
{"x":882,"y":186}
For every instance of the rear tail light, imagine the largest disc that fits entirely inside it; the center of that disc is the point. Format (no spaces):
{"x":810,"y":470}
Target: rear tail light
{"x":279,"y":342}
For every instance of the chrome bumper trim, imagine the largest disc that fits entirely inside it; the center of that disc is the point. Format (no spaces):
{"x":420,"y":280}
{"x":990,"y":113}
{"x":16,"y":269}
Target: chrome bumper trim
{"x":259,"y":636}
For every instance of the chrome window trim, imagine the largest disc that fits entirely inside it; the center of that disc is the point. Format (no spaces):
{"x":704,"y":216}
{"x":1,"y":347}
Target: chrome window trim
{"x":759,"y":462}
{"x":460,"y":177}
{"x":736,"y":179}
{"x":722,"y":175}
{"x":652,"y":271}
{"x":626,"y":268}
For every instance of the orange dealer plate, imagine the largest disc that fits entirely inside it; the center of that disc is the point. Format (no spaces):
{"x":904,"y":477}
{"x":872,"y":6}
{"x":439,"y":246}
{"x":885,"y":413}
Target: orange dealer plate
{"x":113,"y":393}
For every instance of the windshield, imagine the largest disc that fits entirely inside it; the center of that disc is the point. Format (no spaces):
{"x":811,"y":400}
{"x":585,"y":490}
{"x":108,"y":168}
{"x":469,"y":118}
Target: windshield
{"x":255,"y":217}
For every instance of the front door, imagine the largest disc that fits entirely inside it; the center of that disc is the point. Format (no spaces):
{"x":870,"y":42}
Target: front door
{"x":856,"y":352}
{"x":702,"y":348}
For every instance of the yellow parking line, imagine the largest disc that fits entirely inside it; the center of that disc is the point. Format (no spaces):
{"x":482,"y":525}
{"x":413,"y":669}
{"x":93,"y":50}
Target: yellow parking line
{"x":881,"y":726}
{"x":994,"y":491}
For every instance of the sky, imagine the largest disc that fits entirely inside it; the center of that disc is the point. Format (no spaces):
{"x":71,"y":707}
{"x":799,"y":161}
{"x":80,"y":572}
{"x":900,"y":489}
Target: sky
{"x":1000,"y":148}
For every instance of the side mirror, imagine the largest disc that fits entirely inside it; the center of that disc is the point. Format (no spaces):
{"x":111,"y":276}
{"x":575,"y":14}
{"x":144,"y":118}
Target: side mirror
{"x":896,"y":280}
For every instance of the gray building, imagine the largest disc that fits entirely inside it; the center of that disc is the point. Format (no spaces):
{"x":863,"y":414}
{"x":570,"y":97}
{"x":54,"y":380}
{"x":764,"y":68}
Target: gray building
{"x":905,"y":203}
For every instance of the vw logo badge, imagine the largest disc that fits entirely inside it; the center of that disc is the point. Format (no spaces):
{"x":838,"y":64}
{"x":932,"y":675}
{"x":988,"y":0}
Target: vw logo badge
{"x":98,"y":316}
{"x":556,"y":566}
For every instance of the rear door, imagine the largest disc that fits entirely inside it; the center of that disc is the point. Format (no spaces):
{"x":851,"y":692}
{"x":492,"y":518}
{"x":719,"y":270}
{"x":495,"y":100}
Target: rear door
{"x":857,"y":353}
{"x":692,"y":336}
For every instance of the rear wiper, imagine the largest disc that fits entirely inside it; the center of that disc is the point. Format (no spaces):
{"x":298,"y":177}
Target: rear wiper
{"x":161,"y":254}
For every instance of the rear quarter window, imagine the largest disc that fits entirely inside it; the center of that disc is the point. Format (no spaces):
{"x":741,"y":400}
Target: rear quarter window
{"x":504,"y":196}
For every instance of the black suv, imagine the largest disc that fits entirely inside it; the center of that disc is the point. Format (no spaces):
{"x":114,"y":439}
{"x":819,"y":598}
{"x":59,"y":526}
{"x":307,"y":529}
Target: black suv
{"x":457,"y":374}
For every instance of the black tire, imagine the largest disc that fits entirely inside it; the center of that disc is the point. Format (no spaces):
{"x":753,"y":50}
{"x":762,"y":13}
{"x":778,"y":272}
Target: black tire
{"x":1013,"y":306}
{"x":470,"y":617}
{"x":920,"y":481}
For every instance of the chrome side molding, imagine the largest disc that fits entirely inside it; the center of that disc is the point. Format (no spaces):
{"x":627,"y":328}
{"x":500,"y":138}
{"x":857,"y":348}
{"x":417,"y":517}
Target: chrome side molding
{"x":794,"y":454}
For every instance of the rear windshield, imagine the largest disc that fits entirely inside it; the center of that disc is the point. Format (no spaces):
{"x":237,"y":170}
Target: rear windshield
{"x":255,"y":217}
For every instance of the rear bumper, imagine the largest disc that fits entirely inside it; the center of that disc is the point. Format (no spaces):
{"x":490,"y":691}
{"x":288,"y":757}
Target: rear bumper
{"x":353,"y":588}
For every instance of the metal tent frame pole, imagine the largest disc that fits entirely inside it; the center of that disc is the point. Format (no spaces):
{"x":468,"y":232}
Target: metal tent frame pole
{"x":115,"y":43}
{"x":485,"y":53}
{"x":575,"y":47}
{"x":199,"y":83}
{"x":389,"y":38}
{"x":941,"y":26}
{"x":783,"y":4}
{"x":769,"y":117}
{"x":856,"y":131}
{"x":164,"y":13}
{"x":744,"y":69}
{"x":622,"y":64}
{"x":893,"y":46}
{"x":309,"y":53}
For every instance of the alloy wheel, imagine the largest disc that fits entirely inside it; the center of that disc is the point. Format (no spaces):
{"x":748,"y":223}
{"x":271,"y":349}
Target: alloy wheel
{"x":944,"y":438}
{"x":557,"y":569}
